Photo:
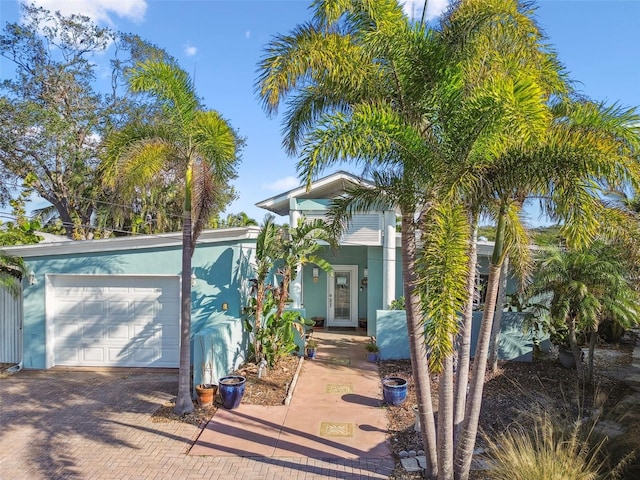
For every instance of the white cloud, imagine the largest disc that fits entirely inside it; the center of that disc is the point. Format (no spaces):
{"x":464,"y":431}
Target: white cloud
{"x":282,"y":184}
{"x":435,"y":8}
{"x":190,"y":51}
{"x":98,"y":10}
{"x":247,"y":34}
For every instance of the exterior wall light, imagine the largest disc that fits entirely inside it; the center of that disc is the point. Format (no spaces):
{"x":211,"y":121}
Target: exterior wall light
{"x":316,"y":273}
{"x":32,"y":278}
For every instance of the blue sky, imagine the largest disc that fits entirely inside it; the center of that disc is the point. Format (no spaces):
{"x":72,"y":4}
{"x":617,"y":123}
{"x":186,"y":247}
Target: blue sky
{"x":221,"y":42}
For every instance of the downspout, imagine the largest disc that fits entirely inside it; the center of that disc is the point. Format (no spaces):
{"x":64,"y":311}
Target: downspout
{"x":17,"y":367}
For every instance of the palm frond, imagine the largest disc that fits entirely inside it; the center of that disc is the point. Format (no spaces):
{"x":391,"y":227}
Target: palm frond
{"x":170,"y":84}
{"x":443,"y":267}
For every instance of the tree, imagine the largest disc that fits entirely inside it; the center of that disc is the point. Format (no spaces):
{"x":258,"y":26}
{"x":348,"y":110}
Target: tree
{"x":191,"y":145}
{"x":298,"y":246}
{"x":579,"y":288}
{"x":369,"y":87}
{"x":21,"y":231}
{"x":53,"y":118}
{"x":266,"y":253}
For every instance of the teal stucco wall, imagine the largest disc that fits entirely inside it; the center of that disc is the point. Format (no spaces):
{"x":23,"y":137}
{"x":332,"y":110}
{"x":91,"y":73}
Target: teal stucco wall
{"x":392,"y":338}
{"x":222,"y":271}
{"x":315,"y":293}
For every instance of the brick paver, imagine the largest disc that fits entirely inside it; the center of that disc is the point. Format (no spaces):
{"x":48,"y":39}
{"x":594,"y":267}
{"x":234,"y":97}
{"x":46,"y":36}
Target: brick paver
{"x":76,"y":425}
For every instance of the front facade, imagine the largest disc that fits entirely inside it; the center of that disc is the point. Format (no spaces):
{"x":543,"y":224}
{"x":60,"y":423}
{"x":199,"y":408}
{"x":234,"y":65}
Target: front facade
{"x":116,"y":302}
{"x":366,"y":267}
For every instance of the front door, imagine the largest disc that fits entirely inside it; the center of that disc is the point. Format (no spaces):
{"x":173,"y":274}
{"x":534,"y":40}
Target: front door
{"x":342,"y":304}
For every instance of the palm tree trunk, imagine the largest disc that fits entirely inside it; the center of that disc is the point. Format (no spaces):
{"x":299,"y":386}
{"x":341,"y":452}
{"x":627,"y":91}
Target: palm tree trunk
{"x":417,"y":349}
{"x":284,"y":292}
{"x":464,"y":345}
{"x":577,"y":352}
{"x":445,"y":421}
{"x":593,"y":339}
{"x":184,"y":403}
{"x":497,"y":318}
{"x":467,"y":437}
{"x":257,"y":348}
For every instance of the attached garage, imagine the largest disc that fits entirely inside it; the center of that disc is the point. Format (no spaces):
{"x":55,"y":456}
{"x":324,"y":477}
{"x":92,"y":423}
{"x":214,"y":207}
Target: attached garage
{"x":113,"y":320}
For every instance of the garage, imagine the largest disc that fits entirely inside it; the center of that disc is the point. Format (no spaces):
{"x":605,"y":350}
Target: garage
{"x":113,"y":320}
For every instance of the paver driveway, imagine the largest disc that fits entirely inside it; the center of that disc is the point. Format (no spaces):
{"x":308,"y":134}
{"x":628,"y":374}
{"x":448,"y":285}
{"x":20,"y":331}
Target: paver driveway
{"x":60,"y":424}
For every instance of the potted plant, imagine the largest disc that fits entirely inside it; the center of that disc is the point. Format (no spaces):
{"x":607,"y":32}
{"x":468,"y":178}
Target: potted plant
{"x":311,"y":348}
{"x":373,"y":351}
{"x":559,"y":337}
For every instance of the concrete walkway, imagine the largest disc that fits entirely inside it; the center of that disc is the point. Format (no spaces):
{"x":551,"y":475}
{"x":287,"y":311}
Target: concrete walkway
{"x":73,"y":425}
{"x":335,"y":412}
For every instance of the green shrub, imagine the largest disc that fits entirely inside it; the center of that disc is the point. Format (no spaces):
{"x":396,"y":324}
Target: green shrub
{"x":397,"y":304}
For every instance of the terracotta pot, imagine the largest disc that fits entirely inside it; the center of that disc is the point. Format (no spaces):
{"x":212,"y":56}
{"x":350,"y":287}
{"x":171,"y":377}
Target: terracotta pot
{"x":205,"y":393}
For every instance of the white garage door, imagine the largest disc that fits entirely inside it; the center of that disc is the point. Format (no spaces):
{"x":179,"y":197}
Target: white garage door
{"x":113,"y":320}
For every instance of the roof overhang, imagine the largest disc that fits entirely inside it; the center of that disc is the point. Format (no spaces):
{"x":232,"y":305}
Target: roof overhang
{"x":136,"y":242}
{"x":328,"y":187}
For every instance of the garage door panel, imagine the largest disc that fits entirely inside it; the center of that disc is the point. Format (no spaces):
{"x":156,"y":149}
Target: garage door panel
{"x":93,"y":308}
{"x":93,"y":355}
{"x":145,"y":308}
{"x":67,"y":355}
{"x":68,"y":330}
{"x":94,"y":331}
{"x":69,"y":307}
{"x":119,"y":332}
{"x":103,"y":320}
{"x":117,"y":308}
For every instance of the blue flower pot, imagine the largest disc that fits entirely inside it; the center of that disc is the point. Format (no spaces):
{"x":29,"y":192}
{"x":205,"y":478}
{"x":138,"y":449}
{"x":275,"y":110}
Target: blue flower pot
{"x":231,"y":390}
{"x":394,"y":390}
{"x":311,"y":353}
{"x":373,"y":357}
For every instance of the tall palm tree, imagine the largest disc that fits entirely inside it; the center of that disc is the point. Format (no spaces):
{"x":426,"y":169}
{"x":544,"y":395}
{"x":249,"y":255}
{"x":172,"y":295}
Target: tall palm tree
{"x":370,"y":87}
{"x":192,"y":145}
{"x":587,"y":149}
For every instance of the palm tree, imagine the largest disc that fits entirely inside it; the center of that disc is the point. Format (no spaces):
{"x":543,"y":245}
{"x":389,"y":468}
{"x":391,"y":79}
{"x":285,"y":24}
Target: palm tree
{"x":299,"y":246}
{"x":240,"y":220}
{"x":581,"y":287}
{"x":192,"y":145}
{"x":12,"y":270}
{"x":374,"y":89}
{"x":267,"y":244}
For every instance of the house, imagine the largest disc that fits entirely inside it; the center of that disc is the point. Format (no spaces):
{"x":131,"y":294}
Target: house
{"x":116,"y":302}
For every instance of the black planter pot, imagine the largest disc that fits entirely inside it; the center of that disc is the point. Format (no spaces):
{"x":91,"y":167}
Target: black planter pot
{"x":231,"y":390}
{"x":567,"y":360}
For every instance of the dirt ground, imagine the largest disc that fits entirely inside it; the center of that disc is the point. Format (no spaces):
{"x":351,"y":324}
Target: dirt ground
{"x":271,"y":389}
{"x":507,"y":392}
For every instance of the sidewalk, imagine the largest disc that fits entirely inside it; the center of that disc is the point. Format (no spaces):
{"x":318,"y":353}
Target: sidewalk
{"x":335,"y":413}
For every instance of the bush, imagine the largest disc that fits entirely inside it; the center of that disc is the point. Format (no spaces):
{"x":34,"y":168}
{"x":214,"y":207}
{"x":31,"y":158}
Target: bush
{"x":546,"y":451}
{"x":397,"y":304}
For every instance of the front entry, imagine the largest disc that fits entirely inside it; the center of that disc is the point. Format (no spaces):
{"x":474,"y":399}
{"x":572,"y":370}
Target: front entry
{"x":342,"y":303}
